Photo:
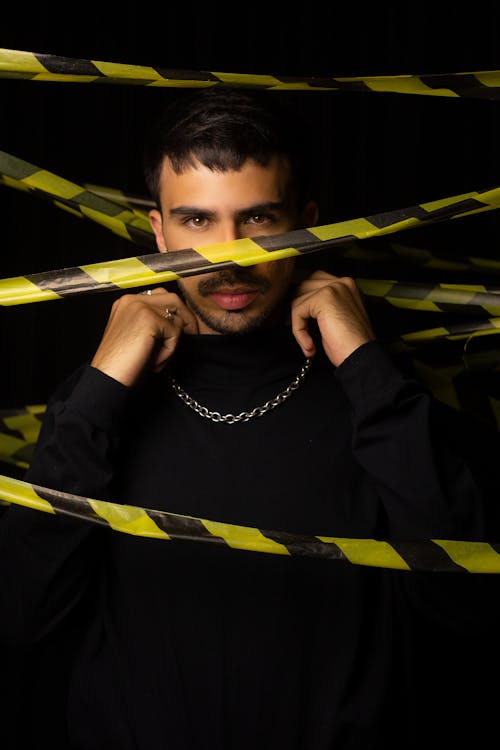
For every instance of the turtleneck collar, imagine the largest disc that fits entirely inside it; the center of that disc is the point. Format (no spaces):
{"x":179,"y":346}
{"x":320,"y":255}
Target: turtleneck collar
{"x":244,"y":358}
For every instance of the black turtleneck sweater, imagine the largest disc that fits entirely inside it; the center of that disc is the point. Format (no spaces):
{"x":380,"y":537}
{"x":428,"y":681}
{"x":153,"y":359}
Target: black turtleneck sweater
{"x":188,"y":645}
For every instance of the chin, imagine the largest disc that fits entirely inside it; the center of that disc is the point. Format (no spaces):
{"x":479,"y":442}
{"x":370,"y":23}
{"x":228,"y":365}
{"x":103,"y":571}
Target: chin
{"x":235,"y":323}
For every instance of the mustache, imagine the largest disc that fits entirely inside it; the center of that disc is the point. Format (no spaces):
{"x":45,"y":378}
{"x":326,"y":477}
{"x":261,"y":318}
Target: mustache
{"x":232,"y":277}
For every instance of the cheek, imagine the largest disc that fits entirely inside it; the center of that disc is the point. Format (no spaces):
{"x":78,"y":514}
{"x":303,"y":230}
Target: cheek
{"x":173,"y":238}
{"x":280,"y":272}
{"x":178,"y":237}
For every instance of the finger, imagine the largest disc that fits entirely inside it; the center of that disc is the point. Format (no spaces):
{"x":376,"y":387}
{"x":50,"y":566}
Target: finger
{"x":321,"y":279}
{"x":344,"y":289}
{"x":165,"y":347}
{"x":175,"y":312}
{"x":162,"y":300}
{"x":300,"y":329}
{"x":166,"y":338}
{"x":150,"y":292}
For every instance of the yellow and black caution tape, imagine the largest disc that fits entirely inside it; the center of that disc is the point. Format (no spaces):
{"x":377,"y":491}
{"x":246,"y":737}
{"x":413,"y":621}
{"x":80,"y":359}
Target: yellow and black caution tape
{"x":448,"y":386}
{"x":37,"y":66}
{"x":129,"y":223}
{"x":21,"y":174}
{"x":161,"y":267}
{"x":457,"y":373}
{"x":435,"y":555}
{"x":19,"y":431}
{"x":442,"y":381}
{"x":93,"y":202}
{"x":139,"y":206}
{"x":133,"y":202}
{"x":453,"y":332}
{"x":421,"y":257}
{"x":433,"y":297}
{"x":158,"y":267}
{"x":390,"y":252}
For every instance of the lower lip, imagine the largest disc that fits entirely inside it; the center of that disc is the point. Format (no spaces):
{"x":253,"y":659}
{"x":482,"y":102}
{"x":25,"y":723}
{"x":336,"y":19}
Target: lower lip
{"x":234,"y":301}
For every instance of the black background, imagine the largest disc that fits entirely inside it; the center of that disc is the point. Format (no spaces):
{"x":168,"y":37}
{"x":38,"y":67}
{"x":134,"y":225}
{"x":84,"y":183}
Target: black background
{"x":375,"y":152}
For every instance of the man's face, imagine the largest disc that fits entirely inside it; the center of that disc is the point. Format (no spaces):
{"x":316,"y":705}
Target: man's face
{"x":201,"y":207}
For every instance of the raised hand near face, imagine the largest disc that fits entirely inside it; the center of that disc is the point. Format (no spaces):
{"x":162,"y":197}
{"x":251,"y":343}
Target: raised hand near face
{"x":337,"y":306}
{"x":142,"y":333}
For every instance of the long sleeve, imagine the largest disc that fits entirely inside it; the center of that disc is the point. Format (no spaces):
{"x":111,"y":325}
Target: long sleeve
{"x":80,"y":434}
{"x":428,"y":490}
{"x":46,"y":559}
{"x":429,"y":487}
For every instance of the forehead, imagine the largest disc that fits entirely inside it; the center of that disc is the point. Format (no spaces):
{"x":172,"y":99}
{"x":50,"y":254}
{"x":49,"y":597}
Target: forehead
{"x":199,"y":186}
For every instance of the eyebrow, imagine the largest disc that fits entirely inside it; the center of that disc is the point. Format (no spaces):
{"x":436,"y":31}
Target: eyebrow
{"x":255,"y":209}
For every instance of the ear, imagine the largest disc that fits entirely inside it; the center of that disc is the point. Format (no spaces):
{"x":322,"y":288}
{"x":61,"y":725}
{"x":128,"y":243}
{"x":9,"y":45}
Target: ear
{"x":309,"y":214}
{"x":156,"y":221}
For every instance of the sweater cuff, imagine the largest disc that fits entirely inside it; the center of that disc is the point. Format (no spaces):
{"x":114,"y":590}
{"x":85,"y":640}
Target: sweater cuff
{"x":99,"y":398}
{"x":369,"y":372}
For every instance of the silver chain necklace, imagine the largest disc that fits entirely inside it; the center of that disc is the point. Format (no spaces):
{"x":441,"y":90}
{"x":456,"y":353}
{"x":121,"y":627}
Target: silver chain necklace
{"x":243,"y":416}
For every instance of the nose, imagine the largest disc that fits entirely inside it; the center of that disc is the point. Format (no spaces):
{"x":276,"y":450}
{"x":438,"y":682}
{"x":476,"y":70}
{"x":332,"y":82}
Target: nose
{"x":229,"y":232}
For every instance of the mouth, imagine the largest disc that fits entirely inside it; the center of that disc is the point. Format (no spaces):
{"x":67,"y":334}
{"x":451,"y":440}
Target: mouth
{"x":234,"y":299}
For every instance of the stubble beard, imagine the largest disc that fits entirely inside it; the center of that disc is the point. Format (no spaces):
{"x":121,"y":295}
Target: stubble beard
{"x":232,"y":322}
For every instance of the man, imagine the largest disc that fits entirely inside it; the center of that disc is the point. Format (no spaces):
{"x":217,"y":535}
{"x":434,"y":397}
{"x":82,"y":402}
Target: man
{"x":248,"y":397}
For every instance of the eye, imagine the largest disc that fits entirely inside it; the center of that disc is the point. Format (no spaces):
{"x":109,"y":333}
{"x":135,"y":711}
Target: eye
{"x":260,"y":219}
{"x":196,"y":222}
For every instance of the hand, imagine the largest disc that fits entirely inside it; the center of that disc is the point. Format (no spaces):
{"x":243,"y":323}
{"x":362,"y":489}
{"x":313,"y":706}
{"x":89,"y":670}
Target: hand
{"x":336,"y":305}
{"x":140,"y":336}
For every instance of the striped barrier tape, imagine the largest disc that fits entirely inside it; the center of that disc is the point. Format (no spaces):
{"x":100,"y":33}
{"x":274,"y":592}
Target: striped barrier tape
{"x":132,"y":202}
{"x":434,"y":555}
{"x":390,"y":251}
{"x":422,"y":258}
{"x":458,"y":372}
{"x":36,"y":66}
{"x":442,"y":381}
{"x":128,"y":223}
{"x":45,"y":189}
{"x":19,"y":431}
{"x":158,"y":267}
{"x":433,"y":297}
{"x":454,"y":332}
{"x":133,"y":224}
{"x":450,"y":385}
